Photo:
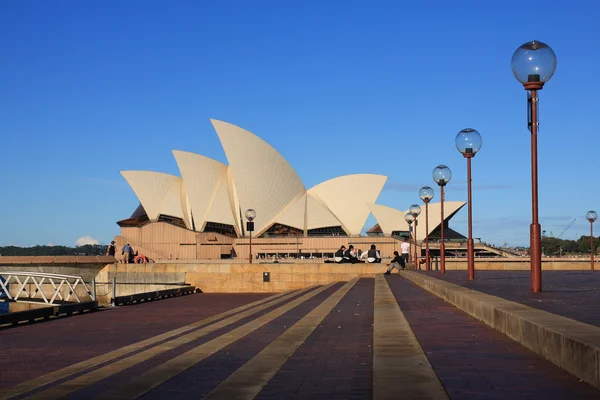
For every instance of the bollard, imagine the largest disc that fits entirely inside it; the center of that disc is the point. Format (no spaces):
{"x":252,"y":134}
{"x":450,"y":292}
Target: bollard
{"x":114,"y":291}
{"x":94,"y":289}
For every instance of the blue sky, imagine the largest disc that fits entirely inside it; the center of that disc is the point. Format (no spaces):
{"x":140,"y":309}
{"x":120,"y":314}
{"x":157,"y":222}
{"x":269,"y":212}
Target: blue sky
{"x":92,"y":88}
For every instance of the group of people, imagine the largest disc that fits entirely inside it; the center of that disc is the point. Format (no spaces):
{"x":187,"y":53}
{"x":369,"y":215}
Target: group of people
{"x":126,"y":252}
{"x":349,"y":256}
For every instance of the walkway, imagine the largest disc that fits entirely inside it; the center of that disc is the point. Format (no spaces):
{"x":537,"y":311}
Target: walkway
{"x":368,"y":338}
{"x":573,"y":294}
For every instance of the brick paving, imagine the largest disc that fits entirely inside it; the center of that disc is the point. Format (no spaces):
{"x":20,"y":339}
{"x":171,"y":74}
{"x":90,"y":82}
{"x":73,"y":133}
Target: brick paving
{"x":336,"y":360}
{"x":573,"y":294}
{"x":474,"y":361}
{"x":207,"y":374}
{"x":66,"y":341}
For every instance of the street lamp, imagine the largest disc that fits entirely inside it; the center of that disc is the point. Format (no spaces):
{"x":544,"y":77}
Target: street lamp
{"x":468,"y":143}
{"x":408,"y":217}
{"x":533,"y":64}
{"x":441,"y":176}
{"x":426,"y":194}
{"x":415,"y":210}
{"x":250,"y":215}
{"x":591,"y":216}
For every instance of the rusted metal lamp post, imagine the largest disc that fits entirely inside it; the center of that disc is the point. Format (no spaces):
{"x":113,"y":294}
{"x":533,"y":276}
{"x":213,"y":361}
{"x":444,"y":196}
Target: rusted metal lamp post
{"x":591,"y":216}
{"x":250,"y":215}
{"x":408,"y":217}
{"x":426,"y":194}
{"x":415,"y":210}
{"x":441,"y":176}
{"x":468,"y":143}
{"x":533,"y":64}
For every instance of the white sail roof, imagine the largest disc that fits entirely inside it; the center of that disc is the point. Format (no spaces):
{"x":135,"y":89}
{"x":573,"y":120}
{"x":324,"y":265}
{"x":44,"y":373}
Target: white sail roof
{"x":294,"y":215}
{"x":206,"y":184}
{"x":159,"y":193}
{"x":264,"y":180}
{"x":318,"y":215}
{"x":347,"y":197}
{"x":391,"y":219}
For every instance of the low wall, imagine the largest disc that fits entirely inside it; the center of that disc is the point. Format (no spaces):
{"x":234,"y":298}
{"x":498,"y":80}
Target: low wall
{"x":235,"y":277}
{"x":242,"y":277}
{"x":518,"y":264}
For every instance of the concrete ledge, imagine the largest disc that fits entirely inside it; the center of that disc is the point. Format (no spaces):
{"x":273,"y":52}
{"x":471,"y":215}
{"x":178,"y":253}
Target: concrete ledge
{"x":571,"y":345}
{"x":48,"y":312}
{"x":150,"y":296}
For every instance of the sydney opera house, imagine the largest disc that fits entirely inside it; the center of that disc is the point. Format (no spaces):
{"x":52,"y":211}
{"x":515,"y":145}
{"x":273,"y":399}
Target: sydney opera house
{"x":200,"y":214}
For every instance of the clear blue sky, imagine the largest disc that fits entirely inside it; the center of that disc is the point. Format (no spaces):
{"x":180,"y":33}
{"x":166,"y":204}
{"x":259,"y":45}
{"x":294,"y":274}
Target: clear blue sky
{"x":90,"y":88}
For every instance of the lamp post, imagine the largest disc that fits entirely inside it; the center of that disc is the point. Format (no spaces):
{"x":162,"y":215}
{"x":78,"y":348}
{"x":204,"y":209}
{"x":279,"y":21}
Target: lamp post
{"x":408,"y":217}
{"x":441,"y":176}
{"x":591,"y":216}
{"x":468,"y":143}
{"x":426,"y":194}
{"x":415,"y":210}
{"x":533,"y":64}
{"x":250,"y":215}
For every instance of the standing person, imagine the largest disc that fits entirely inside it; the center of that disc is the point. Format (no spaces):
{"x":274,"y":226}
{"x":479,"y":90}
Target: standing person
{"x":373,"y":255}
{"x":126,"y":253}
{"x":112,"y":249}
{"x":397,"y":262}
{"x":405,"y":246}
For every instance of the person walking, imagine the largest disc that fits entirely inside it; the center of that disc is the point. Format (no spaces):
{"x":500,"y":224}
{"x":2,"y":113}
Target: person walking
{"x":126,"y":253}
{"x":397,"y":262}
{"x":112,"y":249}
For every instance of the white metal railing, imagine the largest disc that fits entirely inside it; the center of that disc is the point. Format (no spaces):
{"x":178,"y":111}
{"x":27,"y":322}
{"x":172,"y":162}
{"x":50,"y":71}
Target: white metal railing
{"x":58,"y":282}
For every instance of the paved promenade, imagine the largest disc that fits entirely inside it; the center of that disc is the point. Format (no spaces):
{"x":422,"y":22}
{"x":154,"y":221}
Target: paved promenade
{"x":573,"y":294}
{"x":382,"y":338}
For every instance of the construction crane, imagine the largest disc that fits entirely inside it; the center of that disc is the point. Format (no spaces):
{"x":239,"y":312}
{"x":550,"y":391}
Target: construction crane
{"x":566,"y":228}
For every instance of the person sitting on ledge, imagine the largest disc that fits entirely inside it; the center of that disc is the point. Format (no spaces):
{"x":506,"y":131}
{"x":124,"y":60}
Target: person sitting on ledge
{"x":350,"y":256}
{"x":397,"y":262}
{"x":373,"y":255}
{"x":339,"y":255}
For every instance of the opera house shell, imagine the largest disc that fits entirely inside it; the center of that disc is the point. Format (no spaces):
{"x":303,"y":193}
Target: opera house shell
{"x":211,"y":197}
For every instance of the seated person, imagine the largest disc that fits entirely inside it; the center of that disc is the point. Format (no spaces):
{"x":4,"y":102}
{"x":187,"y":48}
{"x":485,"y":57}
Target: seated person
{"x":339,"y":255}
{"x":373,"y":255}
{"x":397,"y":262}
{"x":350,"y":256}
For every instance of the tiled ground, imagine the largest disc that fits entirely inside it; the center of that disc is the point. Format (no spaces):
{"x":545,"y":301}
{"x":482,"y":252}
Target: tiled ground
{"x":335,"y":361}
{"x":573,"y":294}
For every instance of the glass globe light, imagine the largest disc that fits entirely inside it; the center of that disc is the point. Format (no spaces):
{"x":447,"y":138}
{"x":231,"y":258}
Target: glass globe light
{"x":250,"y":214}
{"x":415,"y":210}
{"x":591,"y":215}
{"x":426,"y":194}
{"x":468,"y":142}
{"x":442,"y":175}
{"x":533,"y":62}
{"x":408,"y":217}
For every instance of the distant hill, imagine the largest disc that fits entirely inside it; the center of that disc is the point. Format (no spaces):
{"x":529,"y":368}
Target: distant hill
{"x":86,"y":250}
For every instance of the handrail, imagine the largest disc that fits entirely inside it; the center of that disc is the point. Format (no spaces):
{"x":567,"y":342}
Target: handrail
{"x":38,"y":279}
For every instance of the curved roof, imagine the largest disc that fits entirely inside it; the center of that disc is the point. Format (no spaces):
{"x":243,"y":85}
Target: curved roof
{"x":295,"y":214}
{"x":264,"y":180}
{"x":318,"y":215}
{"x":391,"y":219}
{"x":347,"y":197}
{"x":435,"y":216}
{"x":159,"y":193}
{"x":206,"y":184}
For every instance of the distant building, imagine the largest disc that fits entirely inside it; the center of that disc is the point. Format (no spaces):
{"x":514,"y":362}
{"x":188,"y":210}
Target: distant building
{"x":200,"y":215}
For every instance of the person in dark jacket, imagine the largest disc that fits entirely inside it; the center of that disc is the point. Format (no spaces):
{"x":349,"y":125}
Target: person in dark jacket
{"x":397,"y":262}
{"x":339,"y":255}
